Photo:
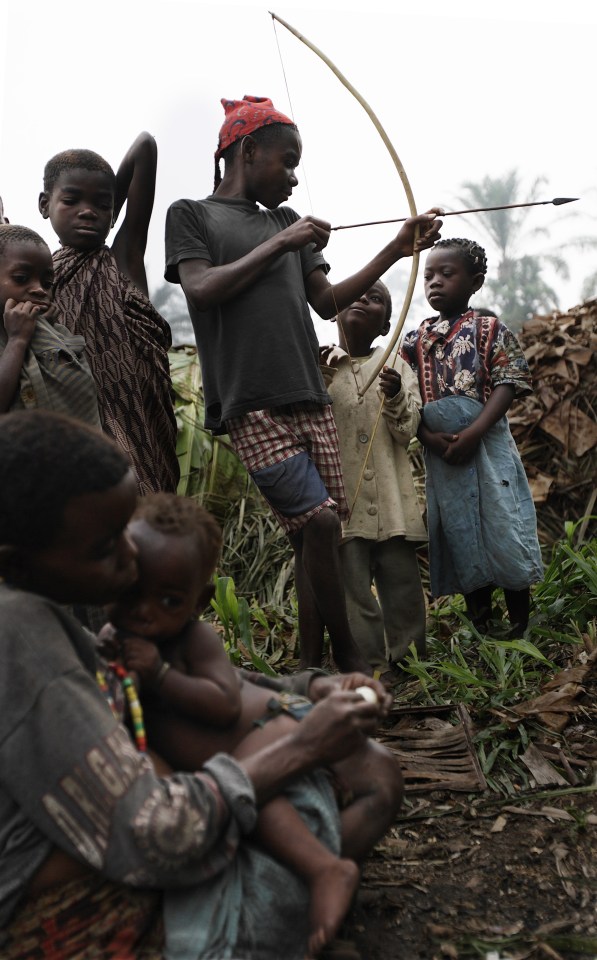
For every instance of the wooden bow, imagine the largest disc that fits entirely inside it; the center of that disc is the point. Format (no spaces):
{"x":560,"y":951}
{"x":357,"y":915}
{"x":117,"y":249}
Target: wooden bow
{"x":405,"y":183}
{"x":413,"y":212}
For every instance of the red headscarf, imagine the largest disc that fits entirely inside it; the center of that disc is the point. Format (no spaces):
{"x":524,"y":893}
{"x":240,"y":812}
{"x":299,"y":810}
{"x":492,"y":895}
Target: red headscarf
{"x":243,"y":117}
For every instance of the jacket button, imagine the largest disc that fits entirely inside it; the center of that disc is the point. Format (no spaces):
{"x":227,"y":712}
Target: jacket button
{"x":368,"y":475}
{"x":363,"y":437}
{"x":372,"y":510}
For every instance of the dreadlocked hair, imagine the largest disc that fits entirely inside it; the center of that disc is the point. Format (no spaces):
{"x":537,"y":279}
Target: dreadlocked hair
{"x":13,"y":233}
{"x":76,"y":160}
{"x":264,"y":135}
{"x":472,"y":253}
{"x":182,"y":517}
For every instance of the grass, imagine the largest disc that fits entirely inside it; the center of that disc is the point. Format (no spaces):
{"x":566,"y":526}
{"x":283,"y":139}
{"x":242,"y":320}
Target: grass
{"x":255,"y":604}
{"x":491,"y":674}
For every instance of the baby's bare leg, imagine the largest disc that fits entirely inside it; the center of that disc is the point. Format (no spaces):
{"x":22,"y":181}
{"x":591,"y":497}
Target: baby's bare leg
{"x":372,"y":777}
{"x":284,"y":834}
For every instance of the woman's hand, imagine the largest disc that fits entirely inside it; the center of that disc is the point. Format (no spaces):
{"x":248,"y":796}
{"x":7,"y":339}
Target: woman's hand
{"x":321,"y":687}
{"x":336,"y":726}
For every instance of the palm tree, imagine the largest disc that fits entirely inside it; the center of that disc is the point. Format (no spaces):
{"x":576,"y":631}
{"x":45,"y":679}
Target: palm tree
{"x":169,"y":299}
{"x":517,"y":286}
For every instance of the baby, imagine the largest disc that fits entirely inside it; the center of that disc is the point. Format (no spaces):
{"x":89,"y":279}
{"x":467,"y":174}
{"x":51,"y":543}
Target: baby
{"x":196,"y":703}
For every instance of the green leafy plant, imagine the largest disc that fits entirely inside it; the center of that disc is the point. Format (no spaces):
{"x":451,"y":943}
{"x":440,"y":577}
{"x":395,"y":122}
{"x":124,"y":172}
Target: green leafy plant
{"x":490,"y":673}
{"x":235,"y":617}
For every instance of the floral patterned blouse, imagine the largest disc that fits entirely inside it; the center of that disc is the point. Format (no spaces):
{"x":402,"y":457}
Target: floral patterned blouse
{"x":469,"y":356}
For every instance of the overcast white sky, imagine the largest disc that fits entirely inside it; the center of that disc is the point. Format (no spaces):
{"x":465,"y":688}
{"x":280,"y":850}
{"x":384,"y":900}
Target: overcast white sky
{"x":465,"y":89}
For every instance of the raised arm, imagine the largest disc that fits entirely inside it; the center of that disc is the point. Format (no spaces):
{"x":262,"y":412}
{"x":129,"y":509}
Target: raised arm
{"x":328,"y":300}
{"x":135,"y":185}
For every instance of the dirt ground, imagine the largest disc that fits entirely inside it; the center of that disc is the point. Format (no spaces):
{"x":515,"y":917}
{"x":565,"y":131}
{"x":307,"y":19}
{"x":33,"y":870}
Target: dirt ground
{"x":481,"y":876}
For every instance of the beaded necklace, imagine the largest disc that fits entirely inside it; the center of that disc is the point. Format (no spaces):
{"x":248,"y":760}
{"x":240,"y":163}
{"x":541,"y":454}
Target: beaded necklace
{"x":134,"y":705}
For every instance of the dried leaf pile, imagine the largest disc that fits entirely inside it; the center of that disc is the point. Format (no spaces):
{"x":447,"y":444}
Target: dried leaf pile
{"x":556,"y":427}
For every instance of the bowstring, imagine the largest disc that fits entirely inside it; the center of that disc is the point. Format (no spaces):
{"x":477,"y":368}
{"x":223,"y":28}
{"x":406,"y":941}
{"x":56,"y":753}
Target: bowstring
{"x":392,"y":358}
{"x":337,"y":317}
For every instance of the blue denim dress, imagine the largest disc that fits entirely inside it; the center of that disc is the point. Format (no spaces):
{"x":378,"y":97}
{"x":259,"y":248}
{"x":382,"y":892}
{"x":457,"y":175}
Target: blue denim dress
{"x":481,"y":517}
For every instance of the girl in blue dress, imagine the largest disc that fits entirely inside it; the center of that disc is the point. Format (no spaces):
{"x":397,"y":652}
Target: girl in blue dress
{"x":480,"y":512}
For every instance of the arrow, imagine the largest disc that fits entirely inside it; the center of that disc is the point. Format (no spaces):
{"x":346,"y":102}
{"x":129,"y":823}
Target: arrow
{"x":557,"y":202}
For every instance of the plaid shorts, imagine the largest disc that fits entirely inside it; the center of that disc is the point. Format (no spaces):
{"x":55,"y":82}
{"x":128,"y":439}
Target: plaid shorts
{"x":303,"y":438}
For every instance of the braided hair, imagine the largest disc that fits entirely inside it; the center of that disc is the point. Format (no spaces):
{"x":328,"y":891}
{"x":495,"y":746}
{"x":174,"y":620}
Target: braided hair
{"x":472,"y":253}
{"x":263,"y":135}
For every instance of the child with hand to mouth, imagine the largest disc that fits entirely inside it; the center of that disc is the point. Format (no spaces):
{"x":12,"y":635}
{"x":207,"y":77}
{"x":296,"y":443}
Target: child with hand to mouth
{"x":42,"y":364}
{"x":196,"y":703}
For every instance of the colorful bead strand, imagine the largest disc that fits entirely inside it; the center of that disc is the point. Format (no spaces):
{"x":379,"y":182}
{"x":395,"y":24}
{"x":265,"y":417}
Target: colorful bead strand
{"x":136,"y":712}
{"x":135,"y":708}
{"x":103,"y":685}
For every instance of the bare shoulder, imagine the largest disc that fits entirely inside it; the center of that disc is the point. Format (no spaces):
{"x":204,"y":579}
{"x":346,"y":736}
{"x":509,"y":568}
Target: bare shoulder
{"x":201,"y":644}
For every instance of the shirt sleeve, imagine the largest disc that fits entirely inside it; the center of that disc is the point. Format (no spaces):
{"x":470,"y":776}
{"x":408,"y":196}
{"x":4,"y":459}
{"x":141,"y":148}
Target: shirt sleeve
{"x":402,"y":413}
{"x":407,"y":351}
{"x":73,"y":771}
{"x":508,"y":363}
{"x":186,"y":237}
{"x":298,"y":683}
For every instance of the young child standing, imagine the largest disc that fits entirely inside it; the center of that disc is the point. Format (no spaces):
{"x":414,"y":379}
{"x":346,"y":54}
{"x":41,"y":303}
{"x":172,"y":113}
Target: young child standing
{"x":380,"y":538}
{"x":42,"y":364}
{"x":480,"y":512}
{"x":196,"y":703}
{"x":250,"y":267}
{"x":102,"y":294}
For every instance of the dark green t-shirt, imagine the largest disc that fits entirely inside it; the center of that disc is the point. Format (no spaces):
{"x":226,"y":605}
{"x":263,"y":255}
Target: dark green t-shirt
{"x":258,"y":350}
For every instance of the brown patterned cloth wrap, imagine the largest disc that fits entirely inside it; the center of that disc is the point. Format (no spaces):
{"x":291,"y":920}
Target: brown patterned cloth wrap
{"x":127,"y":344}
{"x":87,"y":919}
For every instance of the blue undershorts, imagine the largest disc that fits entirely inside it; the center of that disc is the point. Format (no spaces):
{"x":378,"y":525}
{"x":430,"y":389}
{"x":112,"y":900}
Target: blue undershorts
{"x":292,"y":487}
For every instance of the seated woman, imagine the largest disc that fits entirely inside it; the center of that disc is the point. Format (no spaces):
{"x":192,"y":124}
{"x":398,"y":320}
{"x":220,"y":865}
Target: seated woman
{"x":90,"y":836}
{"x":196,"y":704}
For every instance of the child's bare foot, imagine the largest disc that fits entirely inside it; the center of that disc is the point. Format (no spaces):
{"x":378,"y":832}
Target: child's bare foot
{"x":332,"y":890}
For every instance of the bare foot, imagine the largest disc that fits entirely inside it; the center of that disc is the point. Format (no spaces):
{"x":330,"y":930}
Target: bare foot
{"x":332,"y":890}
